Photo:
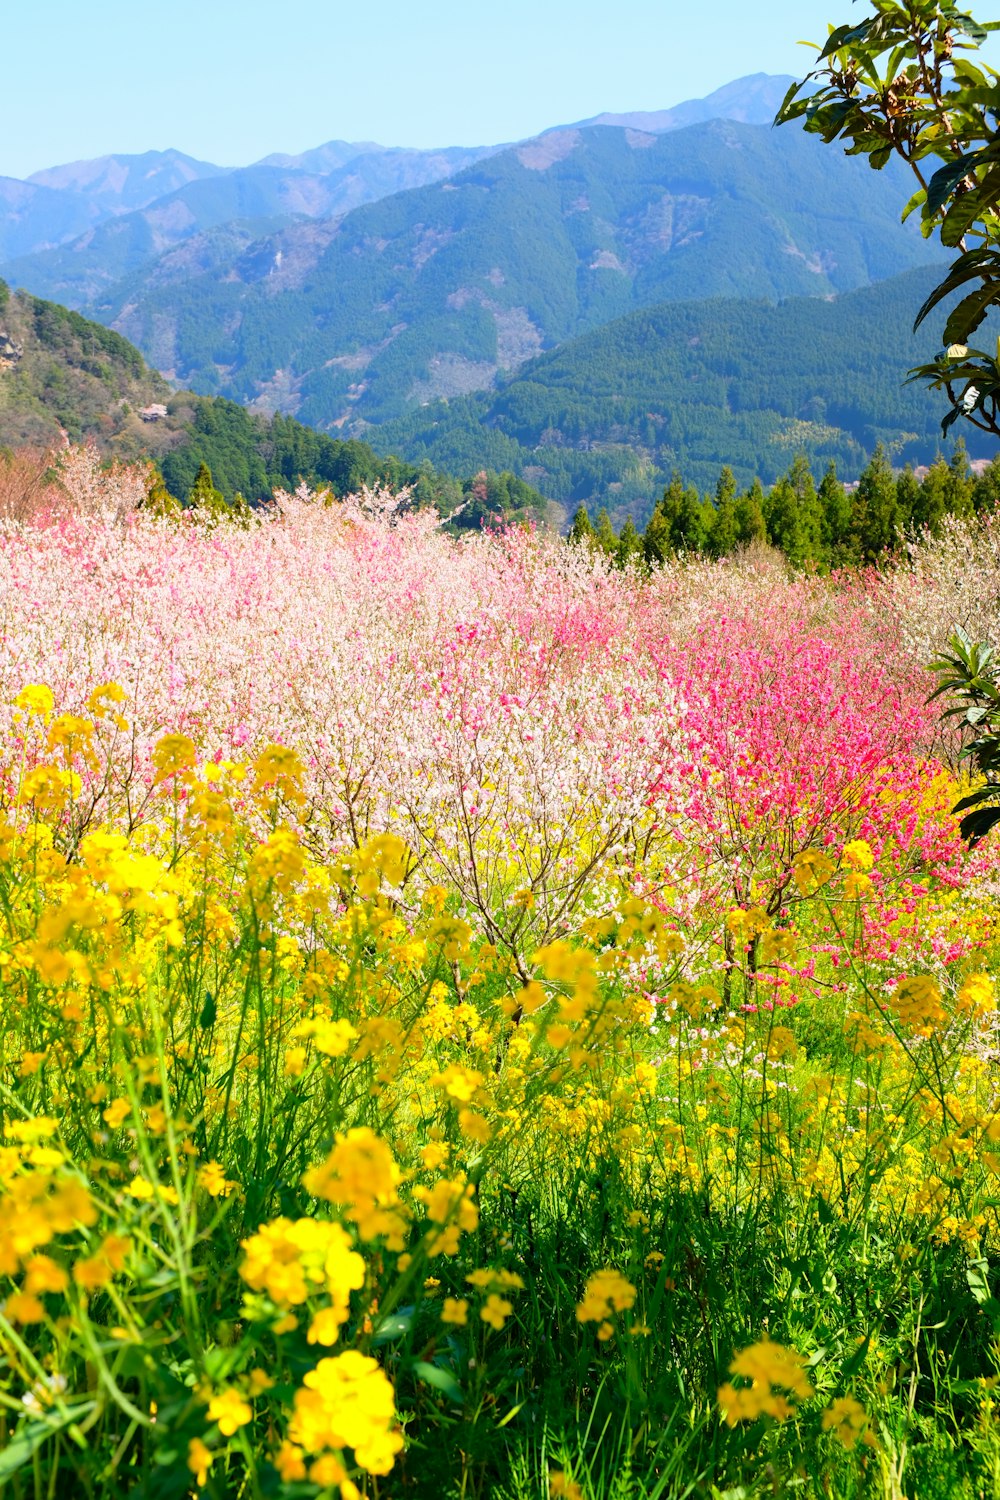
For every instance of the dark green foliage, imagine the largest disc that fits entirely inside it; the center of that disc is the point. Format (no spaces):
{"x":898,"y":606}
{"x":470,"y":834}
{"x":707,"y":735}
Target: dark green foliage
{"x":605,"y":533}
{"x":608,"y":416}
{"x":986,"y":489}
{"x":204,"y":497}
{"x":4,"y":295}
{"x":909,"y":499}
{"x":629,"y":544}
{"x":581,"y":529}
{"x":969,"y":674}
{"x":824,"y":528}
{"x":876,"y":517}
{"x":928,"y":502}
{"x":749,"y":515}
{"x":834,"y":509}
{"x":256,"y":455}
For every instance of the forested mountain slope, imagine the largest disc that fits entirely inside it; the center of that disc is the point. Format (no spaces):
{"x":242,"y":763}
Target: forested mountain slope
{"x":434,"y":292}
{"x":64,"y":379}
{"x":695,"y":385}
{"x":249,"y":202}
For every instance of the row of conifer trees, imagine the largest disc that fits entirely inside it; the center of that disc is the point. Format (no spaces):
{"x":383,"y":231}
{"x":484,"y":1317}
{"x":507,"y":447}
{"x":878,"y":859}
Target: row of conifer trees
{"x":825,"y":525}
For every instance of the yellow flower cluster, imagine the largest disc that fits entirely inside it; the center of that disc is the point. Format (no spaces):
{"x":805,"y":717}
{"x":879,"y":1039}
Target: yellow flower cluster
{"x":775,"y":1374}
{"x":606,"y":1293}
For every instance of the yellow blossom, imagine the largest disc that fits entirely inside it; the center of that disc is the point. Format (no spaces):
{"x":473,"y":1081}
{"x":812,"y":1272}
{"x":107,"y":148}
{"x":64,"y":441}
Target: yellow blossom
{"x":230,"y":1410}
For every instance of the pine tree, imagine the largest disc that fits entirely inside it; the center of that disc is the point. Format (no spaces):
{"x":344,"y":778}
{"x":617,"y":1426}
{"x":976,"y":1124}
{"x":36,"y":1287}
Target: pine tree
{"x":629,"y":544}
{"x":656,"y":543}
{"x":749,"y":515}
{"x":582,"y":530}
{"x":783,"y":515}
{"x":931,"y":504}
{"x":800,"y":478}
{"x":834,"y":507}
{"x":605,"y":533}
{"x":690,"y":528}
{"x":907,"y":497}
{"x":240,"y":511}
{"x":958,"y":490}
{"x":986,"y":490}
{"x":203,"y":495}
{"x":876,"y":518}
{"x":723,"y":534}
{"x":159,"y":501}
{"x":725,"y":489}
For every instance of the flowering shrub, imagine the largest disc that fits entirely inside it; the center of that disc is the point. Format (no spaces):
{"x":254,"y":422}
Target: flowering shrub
{"x":476,"y":1023}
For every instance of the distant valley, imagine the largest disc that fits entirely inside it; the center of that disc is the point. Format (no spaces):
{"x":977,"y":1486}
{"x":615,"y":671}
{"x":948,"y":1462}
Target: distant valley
{"x":588,"y":309}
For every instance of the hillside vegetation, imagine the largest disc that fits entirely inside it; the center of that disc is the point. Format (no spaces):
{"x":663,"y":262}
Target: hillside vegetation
{"x":63,"y":378}
{"x":434,"y":292}
{"x":608,"y":416}
{"x":60,"y":374}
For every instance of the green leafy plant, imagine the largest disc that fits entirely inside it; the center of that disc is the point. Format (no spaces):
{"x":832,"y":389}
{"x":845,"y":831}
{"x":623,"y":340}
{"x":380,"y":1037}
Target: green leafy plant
{"x":970,"y":673}
{"x":897,"y":84}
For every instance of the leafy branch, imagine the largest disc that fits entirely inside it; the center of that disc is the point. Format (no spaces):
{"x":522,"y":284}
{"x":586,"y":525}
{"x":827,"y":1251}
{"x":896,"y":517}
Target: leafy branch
{"x":897,"y":84}
{"x":970,"y":673}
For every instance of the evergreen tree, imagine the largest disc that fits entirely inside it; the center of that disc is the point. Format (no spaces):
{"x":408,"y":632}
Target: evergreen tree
{"x":656,"y":543}
{"x":582,"y":530}
{"x":783,"y":515}
{"x":834,"y":507}
{"x":876,"y":518}
{"x":986,"y":490}
{"x":240,"y":511}
{"x":907,"y":497}
{"x":629,"y":544}
{"x":723,"y":534}
{"x":810,"y":523}
{"x":204,"y":496}
{"x":749,"y":515}
{"x":159,"y":501}
{"x":932,"y":501}
{"x":958,"y":489}
{"x":605,"y":533}
{"x":690,"y":528}
{"x":725,"y":489}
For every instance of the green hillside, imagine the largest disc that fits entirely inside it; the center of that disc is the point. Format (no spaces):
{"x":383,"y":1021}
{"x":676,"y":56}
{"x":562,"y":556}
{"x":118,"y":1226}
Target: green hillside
{"x":266,"y":197}
{"x":608,"y":417}
{"x":64,"y":377}
{"x":434,"y":292}
{"x":60,"y":374}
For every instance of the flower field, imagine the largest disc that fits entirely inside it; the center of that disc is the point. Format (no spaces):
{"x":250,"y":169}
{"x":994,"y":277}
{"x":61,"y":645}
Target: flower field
{"x":482,"y":1023}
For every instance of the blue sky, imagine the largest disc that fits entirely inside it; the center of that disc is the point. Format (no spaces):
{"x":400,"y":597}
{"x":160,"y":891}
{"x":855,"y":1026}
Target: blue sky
{"x":230,"y":82}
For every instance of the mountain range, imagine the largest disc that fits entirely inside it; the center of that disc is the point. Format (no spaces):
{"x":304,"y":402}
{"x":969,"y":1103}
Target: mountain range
{"x":63,"y":378}
{"x":607,"y":417}
{"x":457,"y":303}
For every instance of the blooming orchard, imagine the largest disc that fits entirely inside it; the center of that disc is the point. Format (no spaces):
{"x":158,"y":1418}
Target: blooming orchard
{"x":451,"y":987}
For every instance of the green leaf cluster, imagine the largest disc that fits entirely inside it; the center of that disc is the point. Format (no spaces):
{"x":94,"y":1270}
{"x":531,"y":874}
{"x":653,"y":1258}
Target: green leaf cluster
{"x":897,"y":84}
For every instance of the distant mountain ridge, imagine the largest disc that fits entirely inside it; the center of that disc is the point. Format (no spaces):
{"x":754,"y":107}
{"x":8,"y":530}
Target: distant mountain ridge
{"x":438,"y":291}
{"x":57,"y":204}
{"x":753,"y":100}
{"x":119,"y":184}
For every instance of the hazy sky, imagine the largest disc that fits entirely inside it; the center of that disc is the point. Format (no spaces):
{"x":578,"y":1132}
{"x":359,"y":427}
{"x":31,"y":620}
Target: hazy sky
{"x":231,"y":80}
